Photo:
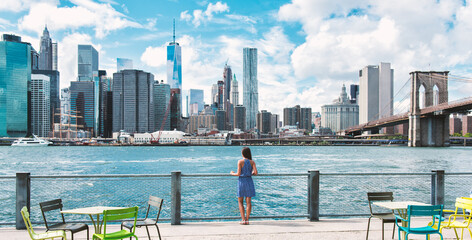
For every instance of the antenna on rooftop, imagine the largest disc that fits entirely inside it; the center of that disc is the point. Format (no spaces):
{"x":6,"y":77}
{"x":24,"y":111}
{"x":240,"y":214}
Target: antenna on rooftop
{"x":174,"y":32}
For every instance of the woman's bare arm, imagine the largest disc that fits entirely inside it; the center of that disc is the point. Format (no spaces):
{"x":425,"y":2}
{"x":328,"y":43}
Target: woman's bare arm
{"x":254,"y":168}
{"x":240,"y":165}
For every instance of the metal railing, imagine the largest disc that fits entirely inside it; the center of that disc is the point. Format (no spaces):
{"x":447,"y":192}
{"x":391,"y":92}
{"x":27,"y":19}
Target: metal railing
{"x":193,"y":197}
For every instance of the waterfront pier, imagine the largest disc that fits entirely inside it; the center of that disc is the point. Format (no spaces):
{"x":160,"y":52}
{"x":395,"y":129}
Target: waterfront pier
{"x":332,"y":229}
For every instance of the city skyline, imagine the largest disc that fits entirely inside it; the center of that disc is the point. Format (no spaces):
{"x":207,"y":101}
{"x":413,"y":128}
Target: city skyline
{"x":307,"y":49}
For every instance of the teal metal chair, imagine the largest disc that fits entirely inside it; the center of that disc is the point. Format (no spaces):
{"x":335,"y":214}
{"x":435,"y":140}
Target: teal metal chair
{"x":434,"y":211}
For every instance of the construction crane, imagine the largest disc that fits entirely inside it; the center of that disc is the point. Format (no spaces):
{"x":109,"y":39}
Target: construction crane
{"x":156,"y":140}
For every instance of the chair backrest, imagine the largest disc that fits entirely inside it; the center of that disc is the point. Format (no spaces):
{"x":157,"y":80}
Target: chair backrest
{"x":119,"y":214}
{"x":155,"y":202}
{"x":52,"y":205}
{"x":377,"y":197}
{"x":464,"y":203}
{"x":425,"y":211}
{"x":26,"y":219}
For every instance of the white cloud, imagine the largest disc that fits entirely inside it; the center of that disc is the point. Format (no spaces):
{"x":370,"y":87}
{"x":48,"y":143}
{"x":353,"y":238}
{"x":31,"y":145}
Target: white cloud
{"x":200,"y":16}
{"x":21,"y":5}
{"x":103,"y":18}
{"x":215,"y":8}
{"x":5,"y":23}
{"x":155,"y":56}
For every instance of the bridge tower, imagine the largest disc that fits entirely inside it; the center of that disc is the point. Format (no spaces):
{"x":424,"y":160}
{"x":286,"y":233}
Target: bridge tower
{"x":430,"y":130}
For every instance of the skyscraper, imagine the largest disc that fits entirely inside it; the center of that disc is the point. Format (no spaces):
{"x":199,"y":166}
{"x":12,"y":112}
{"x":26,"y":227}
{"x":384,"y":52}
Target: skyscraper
{"x":87,"y":62}
{"x":174,"y":63}
{"x":274,"y":123}
{"x":214,"y":93}
{"x":240,"y":117}
{"x":264,"y":120}
{"x":234,"y":92}
{"x":227,"y":79}
{"x":40,"y":109}
{"x":250,"y":92}
{"x":82,"y":102}
{"x":133,"y":104}
{"x":54,"y":89}
{"x":297,"y":116}
{"x":161,"y":106}
{"x":220,"y":95}
{"x":196,"y":97}
{"x":220,"y":119}
{"x":15,"y":73}
{"x":45,"y":51}
{"x":175,"y":108}
{"x":123,"y":63}
{"x":354,"y":93}
{"x":375,"y":92}
{"x":54,"y":56}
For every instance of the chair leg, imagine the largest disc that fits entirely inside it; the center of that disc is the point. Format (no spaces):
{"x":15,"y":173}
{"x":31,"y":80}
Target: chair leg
{"x":87,"y":233}
{"x":147,"y":230}
{"x":72,"y":235}
{"x":383,"y":224}
{"x":368,"y":225}
{"x":455,"y":231}
{"x":158,"y":233}
{"x":393,"y":232}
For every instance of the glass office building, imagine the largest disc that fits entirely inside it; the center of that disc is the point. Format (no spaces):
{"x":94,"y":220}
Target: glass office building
{"x":54,"y":81}
{"x":161,"y":106}
{"x":82,"y":103}
{"x":40,"y":105}
{"x":15,"y":73}
{"x":174,"y":65}
{"x":87,"y":62}
{"x":133,"y":101}
{"x":250,"y":92}
{"x":196,"y":96}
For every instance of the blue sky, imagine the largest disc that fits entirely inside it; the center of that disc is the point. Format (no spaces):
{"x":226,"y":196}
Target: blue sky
{"x":307,"y":48}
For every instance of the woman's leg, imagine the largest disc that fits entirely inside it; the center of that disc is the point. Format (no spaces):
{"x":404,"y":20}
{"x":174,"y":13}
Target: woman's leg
{"x":241,"y":208}
{"x":248,"y":209}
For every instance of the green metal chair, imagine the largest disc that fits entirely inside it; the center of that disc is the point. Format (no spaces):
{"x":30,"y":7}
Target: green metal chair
{"x":118,"y":214}
{"x":40,"y":236}
{"x":434,"y":211}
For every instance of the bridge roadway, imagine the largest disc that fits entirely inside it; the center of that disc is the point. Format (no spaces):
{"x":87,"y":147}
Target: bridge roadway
{"x":461,"y":105}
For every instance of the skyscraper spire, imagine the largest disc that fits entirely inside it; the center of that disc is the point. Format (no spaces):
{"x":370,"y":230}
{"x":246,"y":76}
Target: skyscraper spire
{"x":173,"y":32}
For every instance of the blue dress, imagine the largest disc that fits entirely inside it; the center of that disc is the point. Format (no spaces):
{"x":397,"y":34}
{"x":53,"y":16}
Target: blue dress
{"x":245,"y":183}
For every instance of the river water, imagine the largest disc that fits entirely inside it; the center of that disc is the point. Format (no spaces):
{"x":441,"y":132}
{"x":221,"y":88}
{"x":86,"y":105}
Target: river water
{"x":289,"y":192}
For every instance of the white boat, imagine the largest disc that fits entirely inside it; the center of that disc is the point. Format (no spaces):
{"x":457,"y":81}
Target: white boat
{"x":31,"y":142}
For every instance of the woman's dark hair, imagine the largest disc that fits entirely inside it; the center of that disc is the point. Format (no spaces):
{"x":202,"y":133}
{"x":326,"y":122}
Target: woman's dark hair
{"x":247,"y":153}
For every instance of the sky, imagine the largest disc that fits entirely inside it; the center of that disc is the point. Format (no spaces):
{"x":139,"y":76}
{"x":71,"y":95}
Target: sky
{"x":307,"y":49}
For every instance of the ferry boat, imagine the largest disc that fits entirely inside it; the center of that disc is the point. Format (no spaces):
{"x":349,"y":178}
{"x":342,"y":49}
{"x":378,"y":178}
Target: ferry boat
{"x":31,"y":142}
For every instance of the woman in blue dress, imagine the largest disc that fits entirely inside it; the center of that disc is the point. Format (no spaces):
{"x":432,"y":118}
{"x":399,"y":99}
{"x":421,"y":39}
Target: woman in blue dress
{"x":246,"y":168}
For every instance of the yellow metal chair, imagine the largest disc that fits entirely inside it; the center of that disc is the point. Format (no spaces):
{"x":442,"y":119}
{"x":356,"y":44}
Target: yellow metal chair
{"x":118,"y":214}
{"x":40,"y":236}
{"x":459,"y":218}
